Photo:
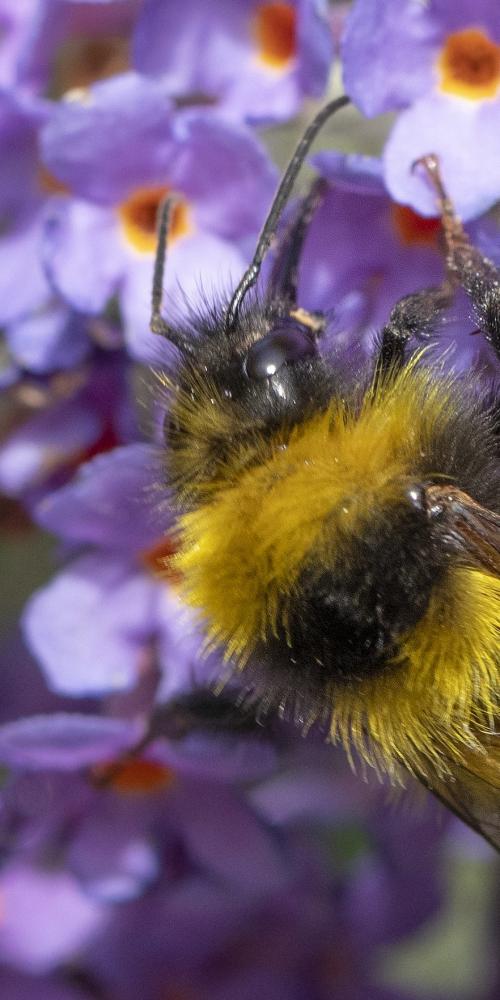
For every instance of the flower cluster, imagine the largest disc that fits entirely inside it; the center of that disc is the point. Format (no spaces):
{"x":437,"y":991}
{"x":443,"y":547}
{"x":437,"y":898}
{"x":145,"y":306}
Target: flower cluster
{"x":439,"y":65}
{"x":158,"y":844}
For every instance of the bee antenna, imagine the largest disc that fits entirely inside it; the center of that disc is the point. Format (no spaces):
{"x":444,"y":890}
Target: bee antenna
{"x":280,"y":199}
{"x":157,"y":323}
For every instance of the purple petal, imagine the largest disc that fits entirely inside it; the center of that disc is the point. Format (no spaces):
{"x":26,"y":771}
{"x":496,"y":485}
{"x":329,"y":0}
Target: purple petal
{"x":235,"y":167}
{"x":224,"y":836}
{"x":388,"y":53}
{"x":112,"y":502}
{"x":179,"y":643}
{"x":54,"y":24}
{"x":118,"y":139}
{"x":351,"y":172}
{"x":261,"y":96}
{"x":20,"y":119}
{"x":200,"y":268}
{"x":194,"y":47}
{"x":210,"y":49}
{"x":111,"y":854}
{"x":305,"y":792}
{"x":455,"y":131}
{"x":49,"y":340}
{"x":83,"y":253}
{"x":65,"y":741}
{"x":47,"y":918}
{"x":135,"y":300}
{"x":20,"y":255}
{"x":91,"y":627}
{"x":315,"y":46}
{"x":377,"y":271}
{"x":15,"y":21}
{"x":44,"y":442}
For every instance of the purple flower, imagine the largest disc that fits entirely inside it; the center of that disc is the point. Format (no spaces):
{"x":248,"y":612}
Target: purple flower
{"x":64,"y":741}
{"x":380,"y":252}
{"x":52,"y":46}
{"x":47,"y":917}
{"x":48,"y":340}
{"x":394,"y":882}
{"x":313,"y":918}
{"x":15,"y":22}
{"x":72,"y":417}
{"x":255,"y":60}
{"x":41,"y":333}
{"x":109,"y":618}
{"x":441,"y":62}
{"x":116,"y":823}
{"x":110,"y":621}
{"x":119,"y":151}
{"x":21,"y":203}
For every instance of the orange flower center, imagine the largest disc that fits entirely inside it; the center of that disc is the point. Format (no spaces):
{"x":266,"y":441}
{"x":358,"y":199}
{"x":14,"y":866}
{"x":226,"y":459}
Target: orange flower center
{"x":159,"y":560}
{"x":413,"y":228}
{"x":139,"y":213}
{"x":275,"y":33}
{"x":134,"y":776}
{"x":469,"y":65}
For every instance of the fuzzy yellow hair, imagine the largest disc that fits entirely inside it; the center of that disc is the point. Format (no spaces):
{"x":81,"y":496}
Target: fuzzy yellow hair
{"x":297,"y":500}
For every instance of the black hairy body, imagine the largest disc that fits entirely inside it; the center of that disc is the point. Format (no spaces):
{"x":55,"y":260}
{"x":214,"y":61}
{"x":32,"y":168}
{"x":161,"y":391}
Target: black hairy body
{"x":339,"y":529}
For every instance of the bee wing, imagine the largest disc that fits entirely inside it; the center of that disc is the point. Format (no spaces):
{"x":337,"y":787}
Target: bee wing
{"x":472,"y":791}
{"x":472,"y":530}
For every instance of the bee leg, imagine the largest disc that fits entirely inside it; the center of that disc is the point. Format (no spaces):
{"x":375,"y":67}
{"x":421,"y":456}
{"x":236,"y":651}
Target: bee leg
{"x":415,"y":316}
{"x":467,"y":266}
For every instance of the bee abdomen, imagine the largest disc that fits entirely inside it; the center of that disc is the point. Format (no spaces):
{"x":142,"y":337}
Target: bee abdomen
{"x":346,"y":622}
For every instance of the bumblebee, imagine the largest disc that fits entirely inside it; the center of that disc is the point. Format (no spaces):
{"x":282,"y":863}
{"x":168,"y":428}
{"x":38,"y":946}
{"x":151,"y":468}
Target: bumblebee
{"x":340,"y":532}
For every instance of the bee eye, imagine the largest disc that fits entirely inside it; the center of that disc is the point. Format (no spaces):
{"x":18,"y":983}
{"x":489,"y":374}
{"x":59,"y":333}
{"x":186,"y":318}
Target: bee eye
{"x":283,"y":345}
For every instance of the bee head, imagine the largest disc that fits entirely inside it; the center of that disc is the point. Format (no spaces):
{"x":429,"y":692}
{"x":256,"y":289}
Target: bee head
{"x":236,"y":390}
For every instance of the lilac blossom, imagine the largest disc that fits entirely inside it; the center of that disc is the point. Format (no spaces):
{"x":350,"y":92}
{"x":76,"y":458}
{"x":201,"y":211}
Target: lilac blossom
{"x":66,"y":421}
{"x":21,"y":205}
{"x":129,"y":629}
{"x":15,"y":22}
{"x":49,"y":339}
{"x":149,"y":850}
{"x":255,"y":61}
{"x":345,"y":271}
{"x":47,"y":917}
{"x":210,"y":874}
{"x":364,"y":252}
{"x":64,"y":741}
{"x":42,"y":334}
{"x":106,"y":618}
{"x":440,"y":64}
{"x":57,"y":45}
{"x":119,"y":151}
